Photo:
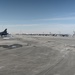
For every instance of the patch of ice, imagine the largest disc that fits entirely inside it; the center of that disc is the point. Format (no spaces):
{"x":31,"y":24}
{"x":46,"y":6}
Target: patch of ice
{"x":6,"y":38}
{"x":13,"y":46}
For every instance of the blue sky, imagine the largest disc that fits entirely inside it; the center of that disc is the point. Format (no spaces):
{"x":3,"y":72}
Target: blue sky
{"x":37,"y":16}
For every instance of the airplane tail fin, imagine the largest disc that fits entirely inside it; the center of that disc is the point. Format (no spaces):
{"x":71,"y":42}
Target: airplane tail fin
{"x":5,"y":31}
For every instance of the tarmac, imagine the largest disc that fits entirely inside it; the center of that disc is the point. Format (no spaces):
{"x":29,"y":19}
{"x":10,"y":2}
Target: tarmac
{"x":37,"y":55}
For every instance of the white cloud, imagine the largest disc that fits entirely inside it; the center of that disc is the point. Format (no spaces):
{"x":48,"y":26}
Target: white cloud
{"x":39,"y":28}
{"x":49,"y":19}
{"x":18,"y":25}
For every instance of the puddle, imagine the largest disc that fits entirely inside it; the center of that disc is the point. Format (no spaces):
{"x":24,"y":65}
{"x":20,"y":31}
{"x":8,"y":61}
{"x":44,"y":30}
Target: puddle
{"x":11,"y":46}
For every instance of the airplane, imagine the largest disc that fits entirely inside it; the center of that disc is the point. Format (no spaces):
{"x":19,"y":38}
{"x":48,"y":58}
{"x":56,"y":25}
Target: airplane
{"x":4,"y":33}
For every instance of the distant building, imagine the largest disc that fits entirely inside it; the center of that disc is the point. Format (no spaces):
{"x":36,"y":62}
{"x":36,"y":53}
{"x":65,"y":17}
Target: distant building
{"x":73,"y":33}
